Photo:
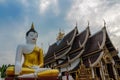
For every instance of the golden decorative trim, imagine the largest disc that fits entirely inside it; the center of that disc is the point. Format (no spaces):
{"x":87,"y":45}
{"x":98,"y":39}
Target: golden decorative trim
{"x":62,"y":49}
{"x":75,"y":50}
{"x":91,"y":53}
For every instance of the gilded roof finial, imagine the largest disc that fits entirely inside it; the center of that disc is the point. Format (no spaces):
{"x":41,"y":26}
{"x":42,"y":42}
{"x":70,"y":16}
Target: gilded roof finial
{"x":59,"y":29}
{"x":104,"y":23}
{"x":48,"y":44}
{"x":88,"y":23}
{"x":32,"y":26}
{"x":60,"y":35}
{"x":76,"y":24}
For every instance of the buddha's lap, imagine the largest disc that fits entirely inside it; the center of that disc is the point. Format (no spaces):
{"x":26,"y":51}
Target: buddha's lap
{"x":52,"y":72}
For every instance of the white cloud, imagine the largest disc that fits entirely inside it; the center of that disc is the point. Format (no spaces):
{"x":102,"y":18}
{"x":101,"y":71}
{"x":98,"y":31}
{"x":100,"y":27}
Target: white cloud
{"x":46,"y":4}
{"x":95,"y":11}
{"x":83,"y":10}
{"x":25,"y":2}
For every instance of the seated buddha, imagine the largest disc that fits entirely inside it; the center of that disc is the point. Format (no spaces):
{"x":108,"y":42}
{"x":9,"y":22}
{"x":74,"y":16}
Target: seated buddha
{"x":33,"y":63}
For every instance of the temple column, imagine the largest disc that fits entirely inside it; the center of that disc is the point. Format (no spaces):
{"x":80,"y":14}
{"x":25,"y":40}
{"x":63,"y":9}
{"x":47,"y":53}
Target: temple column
{"x":101,"y":73}
{"x":102,"y":70}
{"x":115,"y":73}
{"x":92,"y":70}
{"x":93,"y":74}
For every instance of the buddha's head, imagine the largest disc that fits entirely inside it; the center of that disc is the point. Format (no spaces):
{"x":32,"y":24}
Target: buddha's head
{"x":31,"y":35}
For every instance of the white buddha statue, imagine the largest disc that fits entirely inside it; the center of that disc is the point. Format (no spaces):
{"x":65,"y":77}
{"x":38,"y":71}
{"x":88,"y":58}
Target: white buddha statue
{"x":33,"y":59}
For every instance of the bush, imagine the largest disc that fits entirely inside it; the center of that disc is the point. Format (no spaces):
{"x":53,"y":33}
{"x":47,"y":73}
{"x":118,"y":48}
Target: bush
{"x":3,"y":70}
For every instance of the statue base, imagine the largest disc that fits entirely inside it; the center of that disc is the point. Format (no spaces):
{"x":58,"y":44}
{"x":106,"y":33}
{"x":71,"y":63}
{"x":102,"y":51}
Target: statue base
{"x":41,"y":78}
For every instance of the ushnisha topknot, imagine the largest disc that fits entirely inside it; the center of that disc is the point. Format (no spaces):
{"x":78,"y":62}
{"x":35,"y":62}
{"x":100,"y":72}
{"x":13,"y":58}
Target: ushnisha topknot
{"x":31,"y":30}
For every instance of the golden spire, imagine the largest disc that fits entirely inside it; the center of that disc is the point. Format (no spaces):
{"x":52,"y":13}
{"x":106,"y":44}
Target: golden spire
{"x":60,"y":35}
{"x":32,"y":26}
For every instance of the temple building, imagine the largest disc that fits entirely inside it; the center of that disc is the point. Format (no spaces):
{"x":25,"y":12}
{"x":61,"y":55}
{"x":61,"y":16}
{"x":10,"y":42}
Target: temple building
{"x":84,"y":56}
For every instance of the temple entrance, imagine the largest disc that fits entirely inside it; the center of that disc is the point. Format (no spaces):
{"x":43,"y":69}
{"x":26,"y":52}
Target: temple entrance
{"x":98,"y":75}
{"x":110,"y":71}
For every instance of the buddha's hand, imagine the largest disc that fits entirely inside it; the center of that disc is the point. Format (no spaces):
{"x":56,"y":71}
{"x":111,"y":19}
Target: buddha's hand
{"x":17,"y":71}
{"x":35,"y":68}
{"x":17,"y":68}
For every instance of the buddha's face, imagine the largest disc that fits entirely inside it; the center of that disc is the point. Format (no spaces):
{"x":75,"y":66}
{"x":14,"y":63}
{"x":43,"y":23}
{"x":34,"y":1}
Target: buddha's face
{"x":32,"y":37}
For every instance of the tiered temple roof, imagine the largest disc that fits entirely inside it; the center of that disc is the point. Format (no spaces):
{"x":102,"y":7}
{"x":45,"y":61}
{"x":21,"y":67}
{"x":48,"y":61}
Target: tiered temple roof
{"x":74,"y":45}
{"x":60,"y":48}
{"x":77,"y":48}
{"x":94,"y":47}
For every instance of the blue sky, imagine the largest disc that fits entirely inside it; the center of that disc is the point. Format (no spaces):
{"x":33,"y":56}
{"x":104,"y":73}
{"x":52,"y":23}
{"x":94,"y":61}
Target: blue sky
{"x":49,"y":16}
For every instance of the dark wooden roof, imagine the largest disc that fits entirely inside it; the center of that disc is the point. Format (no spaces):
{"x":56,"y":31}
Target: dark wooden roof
{"x":92,"y":59}
{"x":87,"y":61}
{"x":95,"y":45}
{"x":69,"y":59}
{"x":94,"y":42}
{"x":80,"y":39}
{"x":77,"y":47}
{"x":59,"y":50}
{"x":109,"y":44}
{"x":79,"y":43}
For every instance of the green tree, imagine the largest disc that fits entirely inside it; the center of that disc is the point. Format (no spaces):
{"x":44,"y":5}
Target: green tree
{"x":2,"y":70}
